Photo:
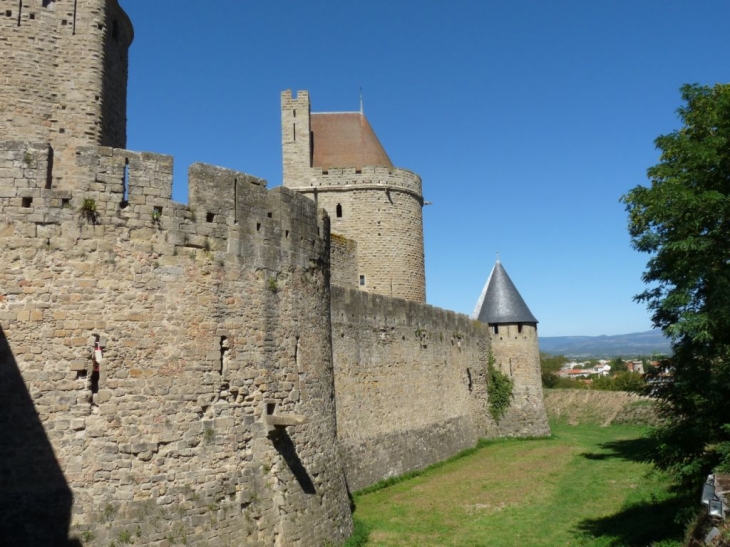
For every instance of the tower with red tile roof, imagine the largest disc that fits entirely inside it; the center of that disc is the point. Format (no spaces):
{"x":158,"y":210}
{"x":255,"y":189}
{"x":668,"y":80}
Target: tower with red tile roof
{"x":336,"y":159}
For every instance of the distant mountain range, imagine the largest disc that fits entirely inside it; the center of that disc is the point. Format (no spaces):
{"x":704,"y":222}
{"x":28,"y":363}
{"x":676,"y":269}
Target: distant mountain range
{"x":621,"y":345}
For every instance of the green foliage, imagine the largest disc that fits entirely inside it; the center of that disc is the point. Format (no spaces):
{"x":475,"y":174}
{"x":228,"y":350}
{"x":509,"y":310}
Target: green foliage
{"x":360,"y":534}
{"x":550,"y":365}
{"x":499,"y":390}
{"x":272,"y":285}
{"x":88,"y":211}
{"x":618,"y":365}
{"x":124,"y":537}
{"x":683,"y":222}
{"x":622,"y":381}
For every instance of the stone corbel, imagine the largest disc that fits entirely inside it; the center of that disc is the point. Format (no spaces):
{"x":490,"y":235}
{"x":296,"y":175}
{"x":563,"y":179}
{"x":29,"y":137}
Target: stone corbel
{"x":275,"y":422}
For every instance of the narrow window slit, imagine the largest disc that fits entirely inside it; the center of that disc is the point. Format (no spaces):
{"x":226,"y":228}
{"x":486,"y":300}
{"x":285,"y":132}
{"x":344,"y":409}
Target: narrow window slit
{"x":235,"y":201}
{"x":125,"y":185}
{"x":339,"y":211}
{"x":20,"y":10}
{"x":73,"y":31}
{"x":27,"y":202}
{"x":224,"y":350}
{"x":294,"y":129}
{"x":209,"y":217}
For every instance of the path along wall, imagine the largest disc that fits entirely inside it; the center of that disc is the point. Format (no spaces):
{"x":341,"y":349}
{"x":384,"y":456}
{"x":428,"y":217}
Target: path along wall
{"x":214,"y":325}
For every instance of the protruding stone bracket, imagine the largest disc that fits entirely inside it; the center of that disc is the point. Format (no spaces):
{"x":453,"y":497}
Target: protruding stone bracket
{"x":275,"y":422}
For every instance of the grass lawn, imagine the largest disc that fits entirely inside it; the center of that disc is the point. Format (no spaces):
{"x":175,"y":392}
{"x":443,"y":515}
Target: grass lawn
{"x":585,"y":486}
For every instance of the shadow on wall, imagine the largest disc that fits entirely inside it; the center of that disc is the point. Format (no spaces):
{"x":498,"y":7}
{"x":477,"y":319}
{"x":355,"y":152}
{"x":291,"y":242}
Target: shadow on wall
{"x":35,"y":500}
{"x":285,"y":446}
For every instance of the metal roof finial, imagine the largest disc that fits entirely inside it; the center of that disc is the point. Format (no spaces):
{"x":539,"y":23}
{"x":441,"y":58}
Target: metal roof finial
{"x":361,"y":107}
{"x":497,"y":256}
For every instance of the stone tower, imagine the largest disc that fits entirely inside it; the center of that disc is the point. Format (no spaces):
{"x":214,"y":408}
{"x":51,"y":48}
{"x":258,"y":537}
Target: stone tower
{"x":65,"y":66}
{"x":336,"y":159}
{"x":515,"y":349}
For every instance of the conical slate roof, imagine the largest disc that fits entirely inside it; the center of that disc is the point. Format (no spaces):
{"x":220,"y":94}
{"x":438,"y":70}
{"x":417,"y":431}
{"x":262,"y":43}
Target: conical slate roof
{"x":500,"y":301}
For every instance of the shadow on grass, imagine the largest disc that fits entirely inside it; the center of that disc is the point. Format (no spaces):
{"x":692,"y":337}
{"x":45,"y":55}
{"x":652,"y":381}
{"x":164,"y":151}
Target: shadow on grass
{"x":639,"y":525}
{"x":634,"y":450}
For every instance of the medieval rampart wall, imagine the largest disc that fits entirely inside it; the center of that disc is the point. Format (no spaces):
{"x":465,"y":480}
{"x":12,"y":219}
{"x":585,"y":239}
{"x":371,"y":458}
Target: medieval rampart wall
{"x":214,"y":324}
{"x":343,"y":262}
{"x":410,"y":383}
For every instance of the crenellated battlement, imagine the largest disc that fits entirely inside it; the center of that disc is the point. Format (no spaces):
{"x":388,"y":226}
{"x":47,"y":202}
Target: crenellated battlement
{"x":126,"y":195}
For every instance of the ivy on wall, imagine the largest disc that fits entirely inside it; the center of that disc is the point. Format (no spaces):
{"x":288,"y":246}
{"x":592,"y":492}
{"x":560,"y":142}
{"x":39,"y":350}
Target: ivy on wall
{"x":499,"y":390}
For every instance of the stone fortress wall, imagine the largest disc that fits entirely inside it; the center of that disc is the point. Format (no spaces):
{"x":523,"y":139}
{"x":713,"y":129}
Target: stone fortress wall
{"x":411,"y":384}
{"x":379,"y":207}
{"x":214,"y":322}
{"x":245,"y":380}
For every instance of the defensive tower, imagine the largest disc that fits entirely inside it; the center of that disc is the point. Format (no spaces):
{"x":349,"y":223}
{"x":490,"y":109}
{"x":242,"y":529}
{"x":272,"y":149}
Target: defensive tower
{"x":65,"y":64}
{"x":336,"y":159}
{"x":514,"y":346}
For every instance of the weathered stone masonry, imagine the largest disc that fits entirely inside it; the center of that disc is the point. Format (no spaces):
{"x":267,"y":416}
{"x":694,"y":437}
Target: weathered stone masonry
{"x":210,"y":316}
{"x":211,"y":374}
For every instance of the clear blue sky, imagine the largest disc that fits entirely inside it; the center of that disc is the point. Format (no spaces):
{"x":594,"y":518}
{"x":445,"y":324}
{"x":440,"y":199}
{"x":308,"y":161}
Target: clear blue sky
{"x":527,"y":120}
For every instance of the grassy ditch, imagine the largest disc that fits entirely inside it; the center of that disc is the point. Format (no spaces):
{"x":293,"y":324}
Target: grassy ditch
{"x":584,"y":486}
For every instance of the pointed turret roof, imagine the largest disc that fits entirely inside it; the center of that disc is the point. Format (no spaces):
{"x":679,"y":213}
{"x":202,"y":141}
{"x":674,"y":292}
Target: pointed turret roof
{"x":345,"y":139}
{"x":500,"y":301}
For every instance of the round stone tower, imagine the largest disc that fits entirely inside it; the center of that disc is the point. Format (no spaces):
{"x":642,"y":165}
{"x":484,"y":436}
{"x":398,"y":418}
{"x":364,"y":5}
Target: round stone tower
{"x":336,"y":159}
{"x":65,"y":63}
{"x":516,"y":351}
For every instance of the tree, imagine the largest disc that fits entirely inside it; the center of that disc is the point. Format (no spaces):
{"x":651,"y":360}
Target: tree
{"x":550,"y":365}
{"x":618,"y":365}
{"x":683,"y":222}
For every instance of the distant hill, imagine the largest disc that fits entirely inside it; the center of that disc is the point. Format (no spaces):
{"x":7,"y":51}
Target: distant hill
{"x":621,"y":345}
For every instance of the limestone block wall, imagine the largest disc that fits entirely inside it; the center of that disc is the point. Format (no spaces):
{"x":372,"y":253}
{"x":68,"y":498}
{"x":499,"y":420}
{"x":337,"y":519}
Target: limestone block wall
{"x":516,"y":352}
{"x":213,"y":324}
{"x":381,"y":209}
{"x":410,"y":383}
{"x":343,"y":261}
{"x":64,"y":67}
